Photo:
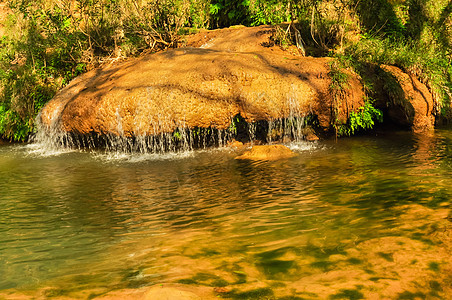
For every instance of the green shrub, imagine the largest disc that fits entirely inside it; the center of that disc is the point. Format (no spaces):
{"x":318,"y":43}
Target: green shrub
{"x":271,"y":12}
{"x":363,"y":119}
{"x":224,"y":13}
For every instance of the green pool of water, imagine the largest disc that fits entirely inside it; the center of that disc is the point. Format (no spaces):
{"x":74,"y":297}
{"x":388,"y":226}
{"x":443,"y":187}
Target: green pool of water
{"x":349,"y":219}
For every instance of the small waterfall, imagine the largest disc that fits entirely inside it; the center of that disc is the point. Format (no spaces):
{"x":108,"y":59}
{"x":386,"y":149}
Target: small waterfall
{"x":252,"y":132}
{"x":51,"y":138}
{"x":290,"y":128}
{"x":168,"y":135}
{"x":285,"y":130}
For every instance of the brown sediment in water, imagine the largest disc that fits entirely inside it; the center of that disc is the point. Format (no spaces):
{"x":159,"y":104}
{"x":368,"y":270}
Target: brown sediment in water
{"x":417,"y":264}
{"x":389,"y":267}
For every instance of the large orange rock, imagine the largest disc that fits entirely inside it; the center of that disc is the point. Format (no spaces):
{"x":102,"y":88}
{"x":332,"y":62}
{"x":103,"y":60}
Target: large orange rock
{"x":233,"y":71}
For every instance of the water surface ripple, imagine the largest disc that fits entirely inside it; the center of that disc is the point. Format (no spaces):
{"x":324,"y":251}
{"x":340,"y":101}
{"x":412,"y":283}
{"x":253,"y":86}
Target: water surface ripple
{"x":354,"y":218}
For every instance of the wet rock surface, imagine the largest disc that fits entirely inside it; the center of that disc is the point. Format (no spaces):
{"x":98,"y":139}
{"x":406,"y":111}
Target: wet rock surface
{"x":267,"y":152}
{"x":159,"y":292}
{"x":232,"y":71}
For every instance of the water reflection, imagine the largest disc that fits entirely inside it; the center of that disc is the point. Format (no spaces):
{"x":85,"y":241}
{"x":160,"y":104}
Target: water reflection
{"x":352,"y":219}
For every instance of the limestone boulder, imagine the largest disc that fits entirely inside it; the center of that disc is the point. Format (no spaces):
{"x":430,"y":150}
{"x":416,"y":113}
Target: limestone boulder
{"x":216,"y":77}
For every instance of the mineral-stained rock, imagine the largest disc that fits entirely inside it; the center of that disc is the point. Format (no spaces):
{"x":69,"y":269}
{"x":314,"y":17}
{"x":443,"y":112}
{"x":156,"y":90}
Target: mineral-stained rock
{"x":235,"y":144}
{"x":164,"y":293}
{"x":267,"y":152}
{"x":413,"y":104}
{"x":160,"y":292}
{"x":312,"y":137}
{"x":233,"y":72}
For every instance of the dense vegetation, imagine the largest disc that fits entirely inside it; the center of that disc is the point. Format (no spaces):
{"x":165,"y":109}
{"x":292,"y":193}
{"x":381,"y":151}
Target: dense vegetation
{"x":49,"y":42}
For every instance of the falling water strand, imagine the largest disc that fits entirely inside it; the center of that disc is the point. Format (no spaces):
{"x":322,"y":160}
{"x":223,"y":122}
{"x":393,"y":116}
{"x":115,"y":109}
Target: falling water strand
{"x":165,"y":135}
{"x":50,"y":138}
{"x":252,"y":132}
{"x":289,"y":128}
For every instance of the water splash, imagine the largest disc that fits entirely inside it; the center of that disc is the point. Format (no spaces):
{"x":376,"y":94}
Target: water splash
{"x":51,"y":139}
{"x":166,"y":135}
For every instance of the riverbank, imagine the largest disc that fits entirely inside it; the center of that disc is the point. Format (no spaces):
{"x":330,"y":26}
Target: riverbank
{"x":408,"y":59}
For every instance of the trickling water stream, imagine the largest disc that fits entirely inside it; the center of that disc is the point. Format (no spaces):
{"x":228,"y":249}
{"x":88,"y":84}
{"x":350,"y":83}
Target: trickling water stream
{"x":364,"y":217}
{"x":169,"y":136}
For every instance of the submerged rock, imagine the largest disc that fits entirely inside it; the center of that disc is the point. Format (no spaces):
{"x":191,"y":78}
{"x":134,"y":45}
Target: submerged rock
{"x":267,"y":152}
{"x":235,"y":144}
{"x":165,"y":293}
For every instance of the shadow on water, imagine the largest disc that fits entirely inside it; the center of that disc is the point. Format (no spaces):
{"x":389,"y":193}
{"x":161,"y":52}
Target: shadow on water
{"x":348,"y":220}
